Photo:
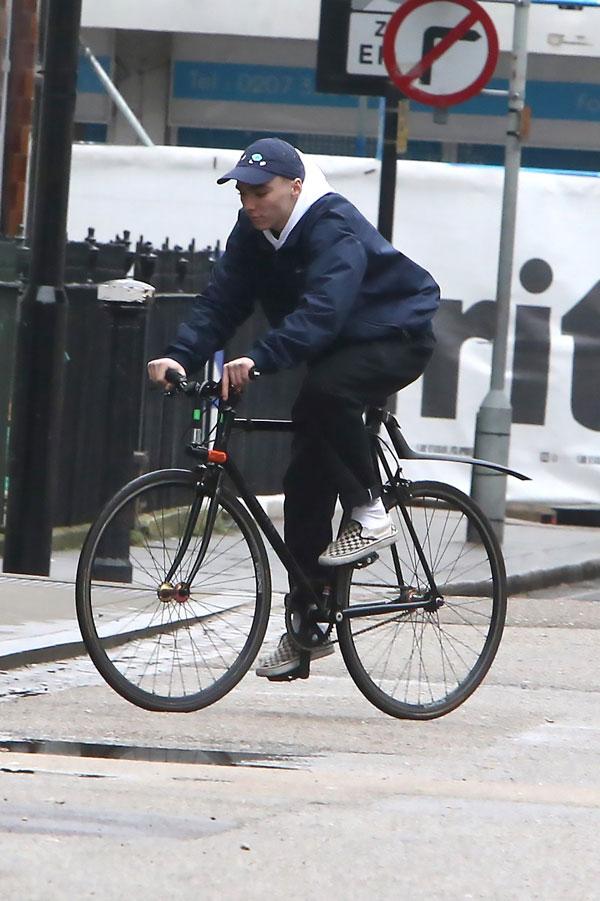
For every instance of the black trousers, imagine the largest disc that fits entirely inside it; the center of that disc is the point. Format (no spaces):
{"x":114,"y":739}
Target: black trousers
{"x":331,"y":456}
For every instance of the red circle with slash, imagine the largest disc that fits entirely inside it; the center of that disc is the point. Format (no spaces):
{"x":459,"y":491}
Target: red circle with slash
{"x":475,"y":14}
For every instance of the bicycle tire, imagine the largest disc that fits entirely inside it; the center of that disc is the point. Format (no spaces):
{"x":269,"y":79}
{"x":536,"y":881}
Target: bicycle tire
{"x":420,"y":665}
{"x":172,"y":655}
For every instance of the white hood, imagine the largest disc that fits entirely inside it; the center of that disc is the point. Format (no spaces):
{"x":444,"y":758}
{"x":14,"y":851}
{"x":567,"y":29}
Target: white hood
{"x":314,"y":186}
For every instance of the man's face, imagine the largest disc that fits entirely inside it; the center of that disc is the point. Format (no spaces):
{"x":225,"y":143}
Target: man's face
{"x":269,"y":206}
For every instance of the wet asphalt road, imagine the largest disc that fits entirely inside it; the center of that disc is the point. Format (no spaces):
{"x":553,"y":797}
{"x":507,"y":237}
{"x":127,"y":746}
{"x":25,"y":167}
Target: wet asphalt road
{"x":306,"y":789}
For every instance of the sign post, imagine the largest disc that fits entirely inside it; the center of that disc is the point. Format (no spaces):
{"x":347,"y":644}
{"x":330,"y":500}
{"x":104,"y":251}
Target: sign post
{"x":354,"y":65}
{"x":389,"y":156}
{"x":492,"y":429}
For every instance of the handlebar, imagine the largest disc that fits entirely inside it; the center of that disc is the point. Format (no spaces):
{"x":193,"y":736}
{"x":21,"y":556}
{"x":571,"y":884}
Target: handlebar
{"x":209,"y":389}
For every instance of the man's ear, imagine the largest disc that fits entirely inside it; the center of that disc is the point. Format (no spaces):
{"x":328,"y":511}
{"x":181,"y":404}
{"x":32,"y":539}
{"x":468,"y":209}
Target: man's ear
{"x":296,"y":187}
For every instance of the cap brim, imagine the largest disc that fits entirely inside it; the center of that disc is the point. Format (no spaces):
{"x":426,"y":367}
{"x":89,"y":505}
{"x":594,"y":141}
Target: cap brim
{"x":250,"y":175}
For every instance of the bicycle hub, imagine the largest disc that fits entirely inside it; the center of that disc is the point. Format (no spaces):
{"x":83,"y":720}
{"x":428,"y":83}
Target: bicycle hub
{"x":167,"y":592}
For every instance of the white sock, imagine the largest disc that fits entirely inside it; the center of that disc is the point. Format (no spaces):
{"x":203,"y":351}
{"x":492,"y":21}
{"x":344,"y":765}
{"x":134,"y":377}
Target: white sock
{"x":372,"y":515}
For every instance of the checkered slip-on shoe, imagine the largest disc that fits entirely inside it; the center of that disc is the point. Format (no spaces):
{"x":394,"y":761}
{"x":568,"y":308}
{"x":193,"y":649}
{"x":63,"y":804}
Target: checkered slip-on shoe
{"x":286,"y":657}
{"x":356,"y":543}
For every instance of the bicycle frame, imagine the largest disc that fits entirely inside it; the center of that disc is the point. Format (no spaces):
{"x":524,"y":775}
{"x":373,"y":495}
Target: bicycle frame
{"x":227,"y":421}
{"x":215,"y":462}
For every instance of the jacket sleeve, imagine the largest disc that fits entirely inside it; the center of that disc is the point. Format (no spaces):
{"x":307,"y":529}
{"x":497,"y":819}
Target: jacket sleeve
{"x":223,"y":306}
{"x":333,"y":280}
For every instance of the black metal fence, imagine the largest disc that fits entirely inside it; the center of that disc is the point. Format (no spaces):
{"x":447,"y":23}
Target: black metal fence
{"x":163,"y":422}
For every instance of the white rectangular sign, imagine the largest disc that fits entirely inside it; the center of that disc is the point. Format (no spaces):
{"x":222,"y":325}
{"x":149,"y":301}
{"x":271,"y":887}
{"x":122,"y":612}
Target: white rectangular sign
{"x":365,"y":44}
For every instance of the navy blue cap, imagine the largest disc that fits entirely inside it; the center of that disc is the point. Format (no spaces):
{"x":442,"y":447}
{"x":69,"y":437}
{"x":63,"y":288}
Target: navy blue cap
{"x":263,"y":160}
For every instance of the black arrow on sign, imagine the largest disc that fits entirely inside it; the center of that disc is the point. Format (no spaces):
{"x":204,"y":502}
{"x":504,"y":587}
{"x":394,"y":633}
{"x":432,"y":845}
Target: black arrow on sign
{"x":432,"y":35}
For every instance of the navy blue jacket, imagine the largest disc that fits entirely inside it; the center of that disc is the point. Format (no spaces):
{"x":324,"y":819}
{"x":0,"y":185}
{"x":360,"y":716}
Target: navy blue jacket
{"x":335,"y":279}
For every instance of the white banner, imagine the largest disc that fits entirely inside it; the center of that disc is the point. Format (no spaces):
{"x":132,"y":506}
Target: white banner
{"x":447,"y":219}
{"x":553,"y":368}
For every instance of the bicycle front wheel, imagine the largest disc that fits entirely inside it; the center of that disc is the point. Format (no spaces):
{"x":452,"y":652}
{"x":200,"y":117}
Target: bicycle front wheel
{"x":159,"y":641}
{"x":423,"y":663}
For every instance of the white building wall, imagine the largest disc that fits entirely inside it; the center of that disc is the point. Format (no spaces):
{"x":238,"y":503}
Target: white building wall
{"x":258,"y":18}
{"x":563,"y":32}
{"x":148,"y":38}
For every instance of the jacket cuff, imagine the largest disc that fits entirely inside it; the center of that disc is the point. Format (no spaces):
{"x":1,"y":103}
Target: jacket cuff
{"x":186,"y":360}
{"x":262,"y":359}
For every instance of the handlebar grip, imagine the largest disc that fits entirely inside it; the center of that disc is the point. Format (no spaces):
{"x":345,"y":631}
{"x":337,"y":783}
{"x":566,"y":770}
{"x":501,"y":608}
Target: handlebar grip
{"x":175,"y":377}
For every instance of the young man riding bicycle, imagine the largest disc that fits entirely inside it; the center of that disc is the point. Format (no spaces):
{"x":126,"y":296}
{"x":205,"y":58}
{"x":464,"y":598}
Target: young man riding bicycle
{"x":339,"y":298}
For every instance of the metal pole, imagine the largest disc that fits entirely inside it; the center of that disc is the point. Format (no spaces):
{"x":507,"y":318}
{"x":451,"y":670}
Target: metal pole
{"x":492,"y":431}
{"x":118,"y":98}
{"x":41,"y":336}
{"x":35,"y":121}
{"x":5,"y":66}
{"x":18,"y":110}
{"x":387,"y":182}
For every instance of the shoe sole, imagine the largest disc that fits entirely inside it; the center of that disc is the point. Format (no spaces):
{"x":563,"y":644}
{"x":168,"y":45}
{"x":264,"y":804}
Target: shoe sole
{"x":288,"y":666}
{"x":354,"y":556}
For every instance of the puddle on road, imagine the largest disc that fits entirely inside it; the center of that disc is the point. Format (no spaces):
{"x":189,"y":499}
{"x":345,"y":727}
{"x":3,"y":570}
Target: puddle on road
{"x":150,"y":754}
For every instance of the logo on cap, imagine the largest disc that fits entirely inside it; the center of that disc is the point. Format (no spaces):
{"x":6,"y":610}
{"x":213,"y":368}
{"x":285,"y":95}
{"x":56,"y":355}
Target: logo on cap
{"x":255,"y":158}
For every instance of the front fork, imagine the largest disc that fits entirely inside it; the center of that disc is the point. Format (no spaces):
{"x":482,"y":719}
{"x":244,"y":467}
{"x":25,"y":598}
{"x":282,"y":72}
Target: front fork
{"x":209,"y":483}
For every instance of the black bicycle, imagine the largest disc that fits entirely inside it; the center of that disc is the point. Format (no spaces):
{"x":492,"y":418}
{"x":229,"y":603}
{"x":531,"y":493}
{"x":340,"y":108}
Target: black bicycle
{"x":174,"y":585}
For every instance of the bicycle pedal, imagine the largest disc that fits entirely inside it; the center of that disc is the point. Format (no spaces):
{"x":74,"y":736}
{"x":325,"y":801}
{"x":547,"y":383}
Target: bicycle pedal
{"x":367,"y":560}
{"x":302,"y":671}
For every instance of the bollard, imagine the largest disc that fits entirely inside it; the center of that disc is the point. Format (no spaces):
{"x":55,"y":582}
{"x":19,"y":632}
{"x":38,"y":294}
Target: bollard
{"x":492,"y":442}
{"x":126,"y":303}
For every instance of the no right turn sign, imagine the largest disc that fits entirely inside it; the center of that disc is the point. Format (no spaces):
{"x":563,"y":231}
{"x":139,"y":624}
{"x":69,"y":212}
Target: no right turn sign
{"x":440,"y":52}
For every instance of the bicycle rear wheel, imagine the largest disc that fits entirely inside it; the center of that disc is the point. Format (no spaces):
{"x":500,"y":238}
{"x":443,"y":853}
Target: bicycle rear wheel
{"x":157,"y":645}
{"x":424,"y":663}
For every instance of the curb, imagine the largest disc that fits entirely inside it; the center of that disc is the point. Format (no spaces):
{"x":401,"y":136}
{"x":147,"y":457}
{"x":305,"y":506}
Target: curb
{"x":49,"y":653}
{"x":556,"y":575}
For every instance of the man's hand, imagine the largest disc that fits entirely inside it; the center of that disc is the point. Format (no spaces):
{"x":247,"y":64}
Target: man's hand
{"x":236,"y":375}
{"x":158,"y":368}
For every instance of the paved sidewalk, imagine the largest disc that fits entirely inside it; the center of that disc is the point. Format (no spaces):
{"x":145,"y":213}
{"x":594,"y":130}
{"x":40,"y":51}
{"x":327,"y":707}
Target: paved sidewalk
{"x":38,"y":622}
